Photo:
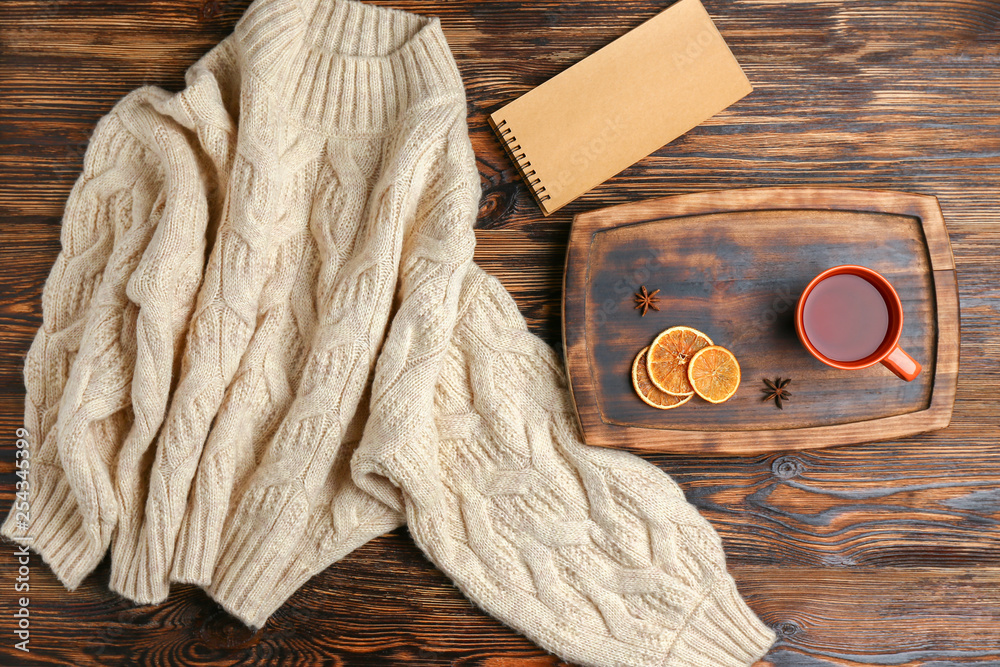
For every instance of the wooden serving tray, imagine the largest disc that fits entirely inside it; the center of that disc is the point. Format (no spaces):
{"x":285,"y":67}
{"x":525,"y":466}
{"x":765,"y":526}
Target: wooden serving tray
{"x":733,"y":264}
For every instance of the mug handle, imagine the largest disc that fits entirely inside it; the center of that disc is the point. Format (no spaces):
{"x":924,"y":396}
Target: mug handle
{"x":902,"y":364}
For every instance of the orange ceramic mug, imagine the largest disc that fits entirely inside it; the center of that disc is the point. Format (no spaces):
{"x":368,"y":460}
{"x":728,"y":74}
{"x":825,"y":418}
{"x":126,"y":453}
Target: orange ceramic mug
{"x":850,"y":317}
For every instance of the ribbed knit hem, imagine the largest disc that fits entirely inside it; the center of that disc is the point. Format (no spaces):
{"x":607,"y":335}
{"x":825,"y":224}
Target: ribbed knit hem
{"x":197,"y":548}
{"x":55,"y":530}
{"x":197,"y":544}
{"x":133,"y":576}
{"x":342,"y":65}
{"x":268,"y":552}
{"x":722,"y":631}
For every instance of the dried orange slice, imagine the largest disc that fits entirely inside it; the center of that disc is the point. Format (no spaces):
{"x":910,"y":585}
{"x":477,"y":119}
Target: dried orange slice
{"x":714,"y":373}
{"x":668,"y":358}
{"x":647,"y":390}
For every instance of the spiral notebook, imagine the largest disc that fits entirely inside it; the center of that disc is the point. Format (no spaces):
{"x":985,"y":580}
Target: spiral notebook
{"x":620,"y":104}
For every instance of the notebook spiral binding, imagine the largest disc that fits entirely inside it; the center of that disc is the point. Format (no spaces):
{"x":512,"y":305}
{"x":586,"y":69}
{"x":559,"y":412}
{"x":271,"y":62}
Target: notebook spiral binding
{"x":508,"y":139}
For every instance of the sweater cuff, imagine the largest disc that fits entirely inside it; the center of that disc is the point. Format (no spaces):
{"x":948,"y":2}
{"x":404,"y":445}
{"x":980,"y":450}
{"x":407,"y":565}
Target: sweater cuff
{"x":722,"y":631}
{"x":55,"y":530}
{"x":197,"y":543}
{"x":135,"y":572}
{"x":274,"y":544}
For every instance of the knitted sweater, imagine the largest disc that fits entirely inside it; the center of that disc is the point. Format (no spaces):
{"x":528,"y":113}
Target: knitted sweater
{"x":264,"y":342}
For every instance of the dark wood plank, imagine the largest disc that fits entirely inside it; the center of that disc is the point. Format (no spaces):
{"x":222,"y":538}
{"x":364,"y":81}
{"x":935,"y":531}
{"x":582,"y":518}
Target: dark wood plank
{"x":835,"y":616}
{"x":874,"y":554}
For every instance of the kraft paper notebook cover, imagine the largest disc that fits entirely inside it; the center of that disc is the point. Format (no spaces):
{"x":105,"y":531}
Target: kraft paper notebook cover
{"x":620,"y":104}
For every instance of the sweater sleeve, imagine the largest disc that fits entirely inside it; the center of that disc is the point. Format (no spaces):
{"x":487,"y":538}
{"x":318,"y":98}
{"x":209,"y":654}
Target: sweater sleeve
{"x":299,"y":510}
{"x":125,"y":213}
{"x":194,"y":132}
{"x":592,"y":553}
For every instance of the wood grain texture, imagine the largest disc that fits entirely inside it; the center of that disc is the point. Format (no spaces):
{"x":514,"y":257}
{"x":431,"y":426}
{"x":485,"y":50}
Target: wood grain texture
{"x":733,"y":265}
{"x":872,"y":554}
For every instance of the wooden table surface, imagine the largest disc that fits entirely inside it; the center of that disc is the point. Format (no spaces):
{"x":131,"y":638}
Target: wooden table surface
{"x":878,"y":554}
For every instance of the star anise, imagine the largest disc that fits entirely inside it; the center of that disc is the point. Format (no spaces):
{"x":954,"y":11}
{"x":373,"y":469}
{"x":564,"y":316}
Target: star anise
{"x":776,"y":390}
{"x":646,"y":300}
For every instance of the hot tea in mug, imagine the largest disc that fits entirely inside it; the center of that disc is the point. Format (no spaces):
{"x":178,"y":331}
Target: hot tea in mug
{"x":850,"y":317}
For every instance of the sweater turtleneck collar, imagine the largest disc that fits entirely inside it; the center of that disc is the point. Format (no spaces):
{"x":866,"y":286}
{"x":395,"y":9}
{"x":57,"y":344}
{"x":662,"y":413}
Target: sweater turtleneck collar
{"x":343,"y":65}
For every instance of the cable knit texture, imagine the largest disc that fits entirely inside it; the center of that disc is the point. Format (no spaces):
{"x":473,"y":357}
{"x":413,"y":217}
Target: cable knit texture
{"x":264,"y":343}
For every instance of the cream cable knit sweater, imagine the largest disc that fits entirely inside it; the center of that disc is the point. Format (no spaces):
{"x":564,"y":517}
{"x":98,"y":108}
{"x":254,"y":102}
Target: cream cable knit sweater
{"x":265,"y":342}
